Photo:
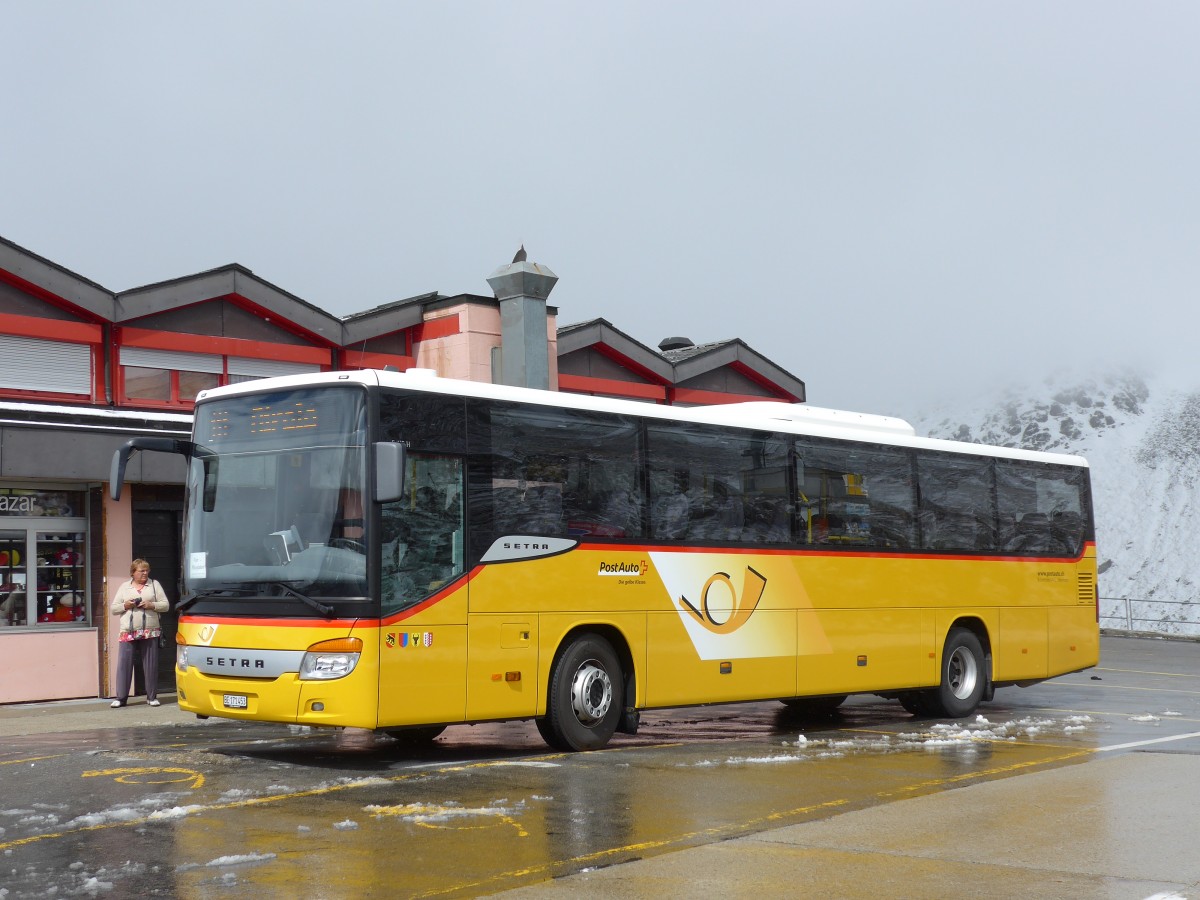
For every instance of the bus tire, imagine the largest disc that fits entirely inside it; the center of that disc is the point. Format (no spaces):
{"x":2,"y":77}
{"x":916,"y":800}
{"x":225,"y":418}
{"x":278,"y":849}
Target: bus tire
{"x":964,"y":676}
{"x":918,"y":703}
{"x":585,"y":699}
{"x":415,"y":737}
{"x":814,"y":707}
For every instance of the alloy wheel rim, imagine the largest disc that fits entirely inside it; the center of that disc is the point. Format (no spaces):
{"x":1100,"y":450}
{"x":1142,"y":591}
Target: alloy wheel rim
{"x":591,"y":693}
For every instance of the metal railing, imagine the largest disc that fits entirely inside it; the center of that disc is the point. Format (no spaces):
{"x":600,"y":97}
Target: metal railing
{"x":1173,"y":617}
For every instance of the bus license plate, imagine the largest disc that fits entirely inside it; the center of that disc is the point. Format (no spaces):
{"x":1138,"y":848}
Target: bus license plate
{"x":236,"y":701}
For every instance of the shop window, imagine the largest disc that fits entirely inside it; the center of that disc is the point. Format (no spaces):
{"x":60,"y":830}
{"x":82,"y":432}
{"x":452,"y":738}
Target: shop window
{"x":174,"y":378}
{"x":60,"y":577}
{"x":43,"y":548}
{"x":13,"y":588}
{"x":147,"y":384}
{"x":178,"y":388}
{"x":192,"y":383}
{"x":166,"y":377}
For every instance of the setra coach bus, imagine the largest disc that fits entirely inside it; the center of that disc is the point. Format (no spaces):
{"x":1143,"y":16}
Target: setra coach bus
{"x":402,"y":552}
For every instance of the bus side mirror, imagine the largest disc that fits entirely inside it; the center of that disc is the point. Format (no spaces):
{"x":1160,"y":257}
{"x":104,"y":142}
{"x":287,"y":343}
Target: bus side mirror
{"x":116,"y":474}
{"x":389,"y":471}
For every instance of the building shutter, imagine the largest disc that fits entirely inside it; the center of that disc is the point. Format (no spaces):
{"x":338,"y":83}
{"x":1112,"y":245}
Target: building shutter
{"x":172,"y":359}
{"x":266,"y":368}
{"x":30,"y":364}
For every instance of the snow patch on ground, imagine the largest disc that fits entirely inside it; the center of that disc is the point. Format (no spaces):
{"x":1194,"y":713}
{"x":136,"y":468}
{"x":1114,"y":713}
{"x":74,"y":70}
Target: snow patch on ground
{"x":938,"y":736}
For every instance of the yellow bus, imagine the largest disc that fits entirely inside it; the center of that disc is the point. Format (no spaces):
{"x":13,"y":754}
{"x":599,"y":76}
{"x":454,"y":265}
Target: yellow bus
{"x":402,"y":552}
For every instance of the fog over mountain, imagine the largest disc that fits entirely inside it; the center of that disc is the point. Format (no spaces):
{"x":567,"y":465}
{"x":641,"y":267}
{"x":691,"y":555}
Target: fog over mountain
{"x":1141,"y":436}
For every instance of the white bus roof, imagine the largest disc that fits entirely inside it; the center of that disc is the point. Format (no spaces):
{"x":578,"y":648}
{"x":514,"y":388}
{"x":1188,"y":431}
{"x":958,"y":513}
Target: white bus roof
{"x":757,"y":415}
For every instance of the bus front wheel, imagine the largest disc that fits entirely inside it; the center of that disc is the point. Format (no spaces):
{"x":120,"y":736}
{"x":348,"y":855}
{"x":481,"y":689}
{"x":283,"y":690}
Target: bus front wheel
{"x":585,"y":699}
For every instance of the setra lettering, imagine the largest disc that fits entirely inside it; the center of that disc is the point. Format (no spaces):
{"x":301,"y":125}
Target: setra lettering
{"x":232,"y":662}
{"x":518,"y":545}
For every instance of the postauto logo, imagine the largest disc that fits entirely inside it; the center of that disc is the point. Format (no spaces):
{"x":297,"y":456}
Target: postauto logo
{"x":623,"y":568}
{"x":721,"y":603}
{"x":732,"y":607}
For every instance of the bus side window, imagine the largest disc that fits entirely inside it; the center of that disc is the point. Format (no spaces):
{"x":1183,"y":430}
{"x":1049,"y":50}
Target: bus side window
{"x":422,"y":538}
{"x":669,"y":517}
{"x":855,"y":497}
{"x":958,"y":506}
{"x":1043,"y":508}
{"x":541,"y":512}
{"x":622,"y":513}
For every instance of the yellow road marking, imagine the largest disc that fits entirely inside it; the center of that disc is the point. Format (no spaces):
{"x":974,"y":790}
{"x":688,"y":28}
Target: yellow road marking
{"x":448,"y":817}
{"x":30,"y":759}
{"x":235,"y":804}
{"x":715,"y":833}
{"x":126,"y":776}
{"x":984,"y":773}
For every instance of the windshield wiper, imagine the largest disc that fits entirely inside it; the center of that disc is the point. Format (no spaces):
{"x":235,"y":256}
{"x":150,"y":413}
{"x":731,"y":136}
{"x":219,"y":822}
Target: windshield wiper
{"x":206,"y":595}
{"x":324,"y":609}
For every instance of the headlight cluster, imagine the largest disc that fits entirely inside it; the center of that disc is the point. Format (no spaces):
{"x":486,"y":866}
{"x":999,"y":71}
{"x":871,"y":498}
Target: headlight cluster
{"x":330,"y":659}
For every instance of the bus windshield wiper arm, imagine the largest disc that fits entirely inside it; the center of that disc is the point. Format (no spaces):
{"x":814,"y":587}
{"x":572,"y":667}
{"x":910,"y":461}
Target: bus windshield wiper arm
{"x":323,"y":608}
{"x":207,"y":595}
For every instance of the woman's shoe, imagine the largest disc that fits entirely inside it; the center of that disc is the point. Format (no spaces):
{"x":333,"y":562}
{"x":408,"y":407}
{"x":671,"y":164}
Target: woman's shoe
{"x":117,"y":704}
{"x":154,"y":703}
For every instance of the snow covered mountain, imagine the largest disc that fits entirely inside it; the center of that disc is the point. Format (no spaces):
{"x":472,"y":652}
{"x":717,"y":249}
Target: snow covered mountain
{"x":1141,"y":436}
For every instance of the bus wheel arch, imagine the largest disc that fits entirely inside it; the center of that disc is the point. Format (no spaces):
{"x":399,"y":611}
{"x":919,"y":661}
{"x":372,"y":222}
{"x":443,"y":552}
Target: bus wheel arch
{"x":964,"y":674}
{"x":589,"y":689}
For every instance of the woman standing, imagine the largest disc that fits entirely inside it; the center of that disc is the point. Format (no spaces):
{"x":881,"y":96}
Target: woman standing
{"x":138,"y":602}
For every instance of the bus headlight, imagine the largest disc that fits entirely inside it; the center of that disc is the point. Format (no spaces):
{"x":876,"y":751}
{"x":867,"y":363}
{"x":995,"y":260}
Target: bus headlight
{"x":330,"y":659}
{"x":181,"y":649}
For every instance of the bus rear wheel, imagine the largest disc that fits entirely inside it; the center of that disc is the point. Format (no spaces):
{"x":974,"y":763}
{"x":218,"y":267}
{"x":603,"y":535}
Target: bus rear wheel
{"x":586,"y":690}
{"x":964,"y":676}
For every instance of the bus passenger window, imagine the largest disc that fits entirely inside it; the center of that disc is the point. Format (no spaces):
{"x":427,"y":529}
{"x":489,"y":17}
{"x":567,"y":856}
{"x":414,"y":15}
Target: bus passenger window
{"x":958,"y":507}
{"x":541,"y":511}
{"x":669,"y":517}
{"x":622,"y":514}
{"x":1042,"y":508}
{"x":854,"y":498}
{"x":555,"y":472}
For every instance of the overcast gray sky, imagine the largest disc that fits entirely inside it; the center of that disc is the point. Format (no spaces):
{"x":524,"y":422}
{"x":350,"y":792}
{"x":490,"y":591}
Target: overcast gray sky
{"x":893,"y":201}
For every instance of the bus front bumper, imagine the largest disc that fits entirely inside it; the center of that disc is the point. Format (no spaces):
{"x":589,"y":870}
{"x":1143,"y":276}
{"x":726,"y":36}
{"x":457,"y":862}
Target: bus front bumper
{"x":286,"y":699}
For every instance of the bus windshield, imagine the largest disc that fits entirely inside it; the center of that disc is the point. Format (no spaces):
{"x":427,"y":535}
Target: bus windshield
{"x":276,"y":499}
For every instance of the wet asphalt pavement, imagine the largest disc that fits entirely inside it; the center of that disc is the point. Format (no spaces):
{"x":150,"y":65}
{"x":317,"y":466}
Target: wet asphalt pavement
{"x":1079,"y":787}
